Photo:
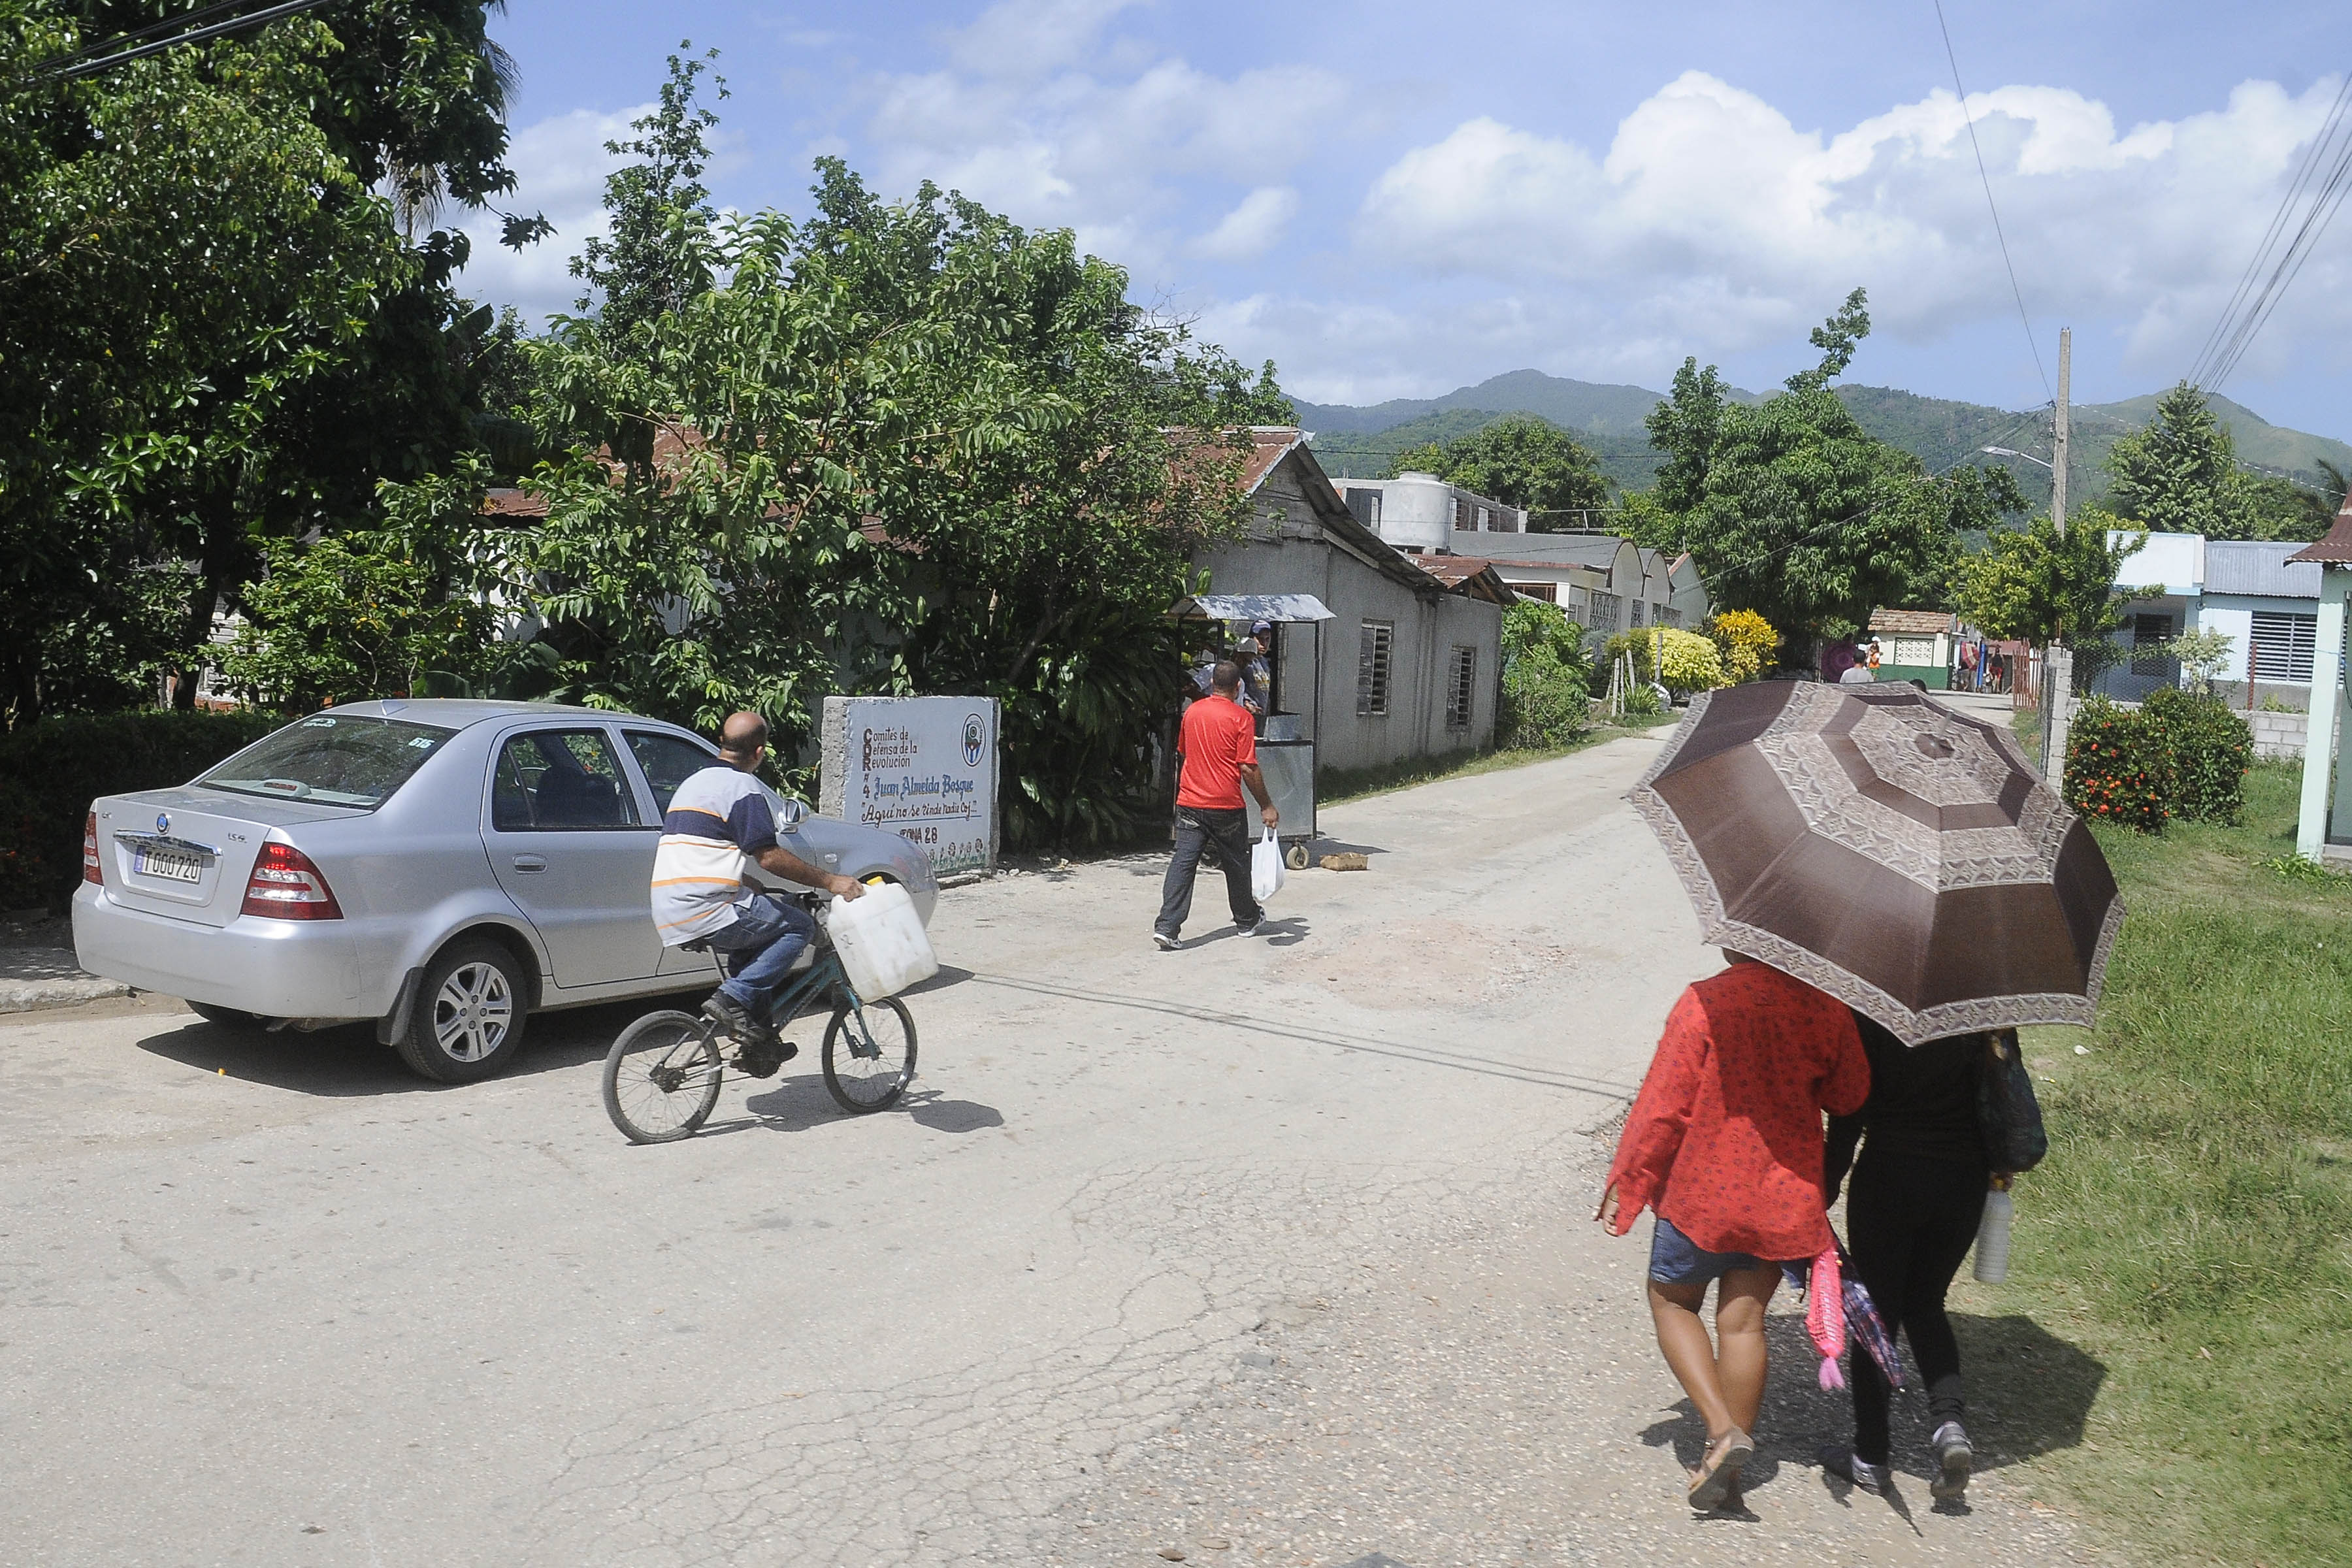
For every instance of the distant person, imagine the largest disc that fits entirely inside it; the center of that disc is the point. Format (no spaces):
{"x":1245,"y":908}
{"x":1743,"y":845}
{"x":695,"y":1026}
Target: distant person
{"x":1217,"y":754}
{"x":1856,"y":674}
{"x":1258,"y":674}
{"x":1873,"y":659}
{"x":1911,"y":1216}
{"x":1724,"y":1142}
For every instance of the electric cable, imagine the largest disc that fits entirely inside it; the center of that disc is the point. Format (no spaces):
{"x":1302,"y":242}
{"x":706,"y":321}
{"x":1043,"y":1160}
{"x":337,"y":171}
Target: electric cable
{"x":189,"y":29}
{"x":1993,"y":207}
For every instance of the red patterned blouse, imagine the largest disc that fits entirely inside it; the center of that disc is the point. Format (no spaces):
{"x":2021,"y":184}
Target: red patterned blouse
{"x":1725,"y":1139}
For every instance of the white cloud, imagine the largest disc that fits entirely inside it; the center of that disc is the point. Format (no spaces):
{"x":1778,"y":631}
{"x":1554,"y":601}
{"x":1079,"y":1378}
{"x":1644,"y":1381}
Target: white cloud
{"x":559,"y":165}
{"x":1041,"y":116}
{"x":1711,"y":219}
{"x":1250,"y":230}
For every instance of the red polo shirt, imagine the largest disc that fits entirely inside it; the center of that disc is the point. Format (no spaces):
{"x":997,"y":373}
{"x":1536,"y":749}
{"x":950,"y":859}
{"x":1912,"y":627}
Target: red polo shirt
{"x":1218,"y":739}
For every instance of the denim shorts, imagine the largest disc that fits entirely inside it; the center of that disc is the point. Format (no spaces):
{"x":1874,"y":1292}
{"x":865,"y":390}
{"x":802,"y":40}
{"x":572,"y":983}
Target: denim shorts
{"x":1677,"y":1259}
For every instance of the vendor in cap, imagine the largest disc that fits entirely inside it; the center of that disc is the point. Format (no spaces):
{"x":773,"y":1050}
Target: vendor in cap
{"x":1258,"y":675}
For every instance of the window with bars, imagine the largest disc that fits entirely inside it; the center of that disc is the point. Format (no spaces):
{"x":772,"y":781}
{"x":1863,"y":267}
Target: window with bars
{"x":1461,"y":674}
{"x":1372,"y":660}
{"x":1915,"y":652}
{"x":2150,"y":634}
{"x":2283,"y":644}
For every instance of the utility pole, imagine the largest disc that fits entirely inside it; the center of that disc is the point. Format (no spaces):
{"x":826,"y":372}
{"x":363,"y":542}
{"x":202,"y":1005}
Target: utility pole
{"x":2058,"y":456}
{"x":2057,"y":663}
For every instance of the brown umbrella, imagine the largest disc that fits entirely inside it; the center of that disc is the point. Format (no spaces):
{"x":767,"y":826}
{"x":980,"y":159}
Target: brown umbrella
{"x":1898,"y":855}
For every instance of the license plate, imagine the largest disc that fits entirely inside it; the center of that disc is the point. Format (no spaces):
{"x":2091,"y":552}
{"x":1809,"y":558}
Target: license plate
{"x":170,"y":866}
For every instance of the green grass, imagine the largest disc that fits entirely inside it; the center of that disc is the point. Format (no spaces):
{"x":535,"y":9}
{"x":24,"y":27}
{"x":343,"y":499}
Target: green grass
{"x":2190,"y":1238}
{"x":1333,"y":786}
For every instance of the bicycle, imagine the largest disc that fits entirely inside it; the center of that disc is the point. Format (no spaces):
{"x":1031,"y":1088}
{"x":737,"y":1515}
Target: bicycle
{"x":662,"y":1076}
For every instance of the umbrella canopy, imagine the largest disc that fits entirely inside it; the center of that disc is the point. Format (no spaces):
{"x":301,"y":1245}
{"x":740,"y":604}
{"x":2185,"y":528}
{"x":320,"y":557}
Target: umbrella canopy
{"x":1898,"y":855}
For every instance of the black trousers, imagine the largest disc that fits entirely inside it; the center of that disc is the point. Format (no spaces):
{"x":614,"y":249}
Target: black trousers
{"x":1226,"y":835}
{"x":1909,"y":1223}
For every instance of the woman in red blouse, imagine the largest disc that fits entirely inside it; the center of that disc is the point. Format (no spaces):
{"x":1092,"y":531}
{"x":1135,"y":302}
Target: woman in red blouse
{"x":1725,"y":1143}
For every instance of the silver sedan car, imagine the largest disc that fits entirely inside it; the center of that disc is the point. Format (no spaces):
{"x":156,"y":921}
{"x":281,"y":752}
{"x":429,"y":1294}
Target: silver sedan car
{"x":443,"y":868}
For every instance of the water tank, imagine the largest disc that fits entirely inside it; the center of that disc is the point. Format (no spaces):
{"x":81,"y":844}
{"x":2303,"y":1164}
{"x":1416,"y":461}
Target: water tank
{"x":1417,"y":513}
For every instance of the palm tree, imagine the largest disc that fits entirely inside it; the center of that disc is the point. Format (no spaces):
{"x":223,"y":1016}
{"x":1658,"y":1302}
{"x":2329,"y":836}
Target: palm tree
{"x":417,"y":191}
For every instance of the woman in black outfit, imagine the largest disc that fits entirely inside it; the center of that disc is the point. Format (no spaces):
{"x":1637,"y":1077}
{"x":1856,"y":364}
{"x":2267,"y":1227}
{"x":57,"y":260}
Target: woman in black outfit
{"x":1918,"y":1194}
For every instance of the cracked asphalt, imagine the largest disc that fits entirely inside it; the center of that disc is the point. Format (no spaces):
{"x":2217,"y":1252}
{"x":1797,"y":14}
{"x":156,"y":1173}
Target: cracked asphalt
{"x":1270,"y":1249}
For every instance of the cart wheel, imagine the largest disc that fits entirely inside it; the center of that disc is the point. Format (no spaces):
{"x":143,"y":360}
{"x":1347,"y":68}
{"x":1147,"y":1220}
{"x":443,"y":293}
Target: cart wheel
{"x":1296,"y":859}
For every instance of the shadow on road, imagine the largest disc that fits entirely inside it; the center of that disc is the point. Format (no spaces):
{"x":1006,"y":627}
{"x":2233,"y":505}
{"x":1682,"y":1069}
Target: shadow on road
{"x":346,"y":1061}
{"x":798,"y":1103}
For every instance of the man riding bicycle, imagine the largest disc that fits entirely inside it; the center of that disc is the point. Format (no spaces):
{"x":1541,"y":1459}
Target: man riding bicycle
{"x":721,"y":822}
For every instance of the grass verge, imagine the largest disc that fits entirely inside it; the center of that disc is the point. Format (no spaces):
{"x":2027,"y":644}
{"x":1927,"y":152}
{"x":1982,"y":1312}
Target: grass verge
{"x":2189,"y":1241}
{"x":1333,"y":786}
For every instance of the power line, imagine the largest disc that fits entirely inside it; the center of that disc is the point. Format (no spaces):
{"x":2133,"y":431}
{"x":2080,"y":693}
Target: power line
{"x":2208,"y":351}
{"x":191,"y":28}
{"x":1993,"y":207}
{"x":2323,"y":205}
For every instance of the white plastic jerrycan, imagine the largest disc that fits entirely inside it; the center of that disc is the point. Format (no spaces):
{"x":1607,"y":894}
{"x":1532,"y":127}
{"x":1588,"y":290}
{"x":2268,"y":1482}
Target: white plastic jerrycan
{"x":883,"y":946}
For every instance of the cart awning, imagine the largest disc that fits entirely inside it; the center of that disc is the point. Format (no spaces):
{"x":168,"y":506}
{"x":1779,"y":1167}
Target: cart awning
{"x":1251,"y":607}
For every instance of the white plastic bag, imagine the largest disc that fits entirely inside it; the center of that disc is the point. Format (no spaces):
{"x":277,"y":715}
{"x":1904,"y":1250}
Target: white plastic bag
{"x":1265,"y":867}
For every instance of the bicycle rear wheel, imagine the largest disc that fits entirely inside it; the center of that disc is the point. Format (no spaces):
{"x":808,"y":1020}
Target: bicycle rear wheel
{"x":661,"y":1077}
{"x":869,"y":1055}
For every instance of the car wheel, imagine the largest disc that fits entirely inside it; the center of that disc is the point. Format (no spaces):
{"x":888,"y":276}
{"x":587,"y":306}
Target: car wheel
{"x":467,"y":1021}
{"x":226,"y":1017}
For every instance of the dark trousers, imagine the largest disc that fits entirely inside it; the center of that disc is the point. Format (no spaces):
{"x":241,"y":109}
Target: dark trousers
{"x":1225,"y":835}
{"x":1908,"y":1224}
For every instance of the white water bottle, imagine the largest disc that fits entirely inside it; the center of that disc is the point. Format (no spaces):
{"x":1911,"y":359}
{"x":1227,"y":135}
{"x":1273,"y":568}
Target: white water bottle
{"x":1992,"y":1236}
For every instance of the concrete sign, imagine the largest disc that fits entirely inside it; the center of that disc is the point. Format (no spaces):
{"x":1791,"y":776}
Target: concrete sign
{"x":923,"y":767}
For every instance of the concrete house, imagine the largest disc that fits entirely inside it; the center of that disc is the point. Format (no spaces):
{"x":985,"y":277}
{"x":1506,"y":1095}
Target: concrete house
{"x":1409,"y":664}
{"x":1915,"y":645}
{"x":1418,"y":512}
{"x":2249,"y":590}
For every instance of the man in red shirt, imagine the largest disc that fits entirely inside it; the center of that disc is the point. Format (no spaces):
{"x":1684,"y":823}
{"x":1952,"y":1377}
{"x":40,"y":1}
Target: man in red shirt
{"x":1218,"y":751}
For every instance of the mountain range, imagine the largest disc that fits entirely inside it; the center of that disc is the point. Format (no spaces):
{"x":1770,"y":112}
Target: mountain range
{"x":1361,"y":442}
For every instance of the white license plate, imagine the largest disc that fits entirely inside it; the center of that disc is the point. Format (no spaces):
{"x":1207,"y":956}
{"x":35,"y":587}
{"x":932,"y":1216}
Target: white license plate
{"x":170,"y":866}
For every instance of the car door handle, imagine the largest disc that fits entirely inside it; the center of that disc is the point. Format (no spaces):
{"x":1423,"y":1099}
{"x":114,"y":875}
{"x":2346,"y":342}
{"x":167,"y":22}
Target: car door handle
{"x":530,"y":862}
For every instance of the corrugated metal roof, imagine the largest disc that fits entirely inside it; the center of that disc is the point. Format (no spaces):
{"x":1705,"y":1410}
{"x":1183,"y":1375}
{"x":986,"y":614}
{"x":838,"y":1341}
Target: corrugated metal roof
{"x":2258,"y":566}
{"x":1567,"y":548}
{"x":2336,"y":550}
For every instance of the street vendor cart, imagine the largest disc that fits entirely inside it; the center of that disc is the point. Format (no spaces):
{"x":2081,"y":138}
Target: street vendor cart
{"x":1286,"y":742}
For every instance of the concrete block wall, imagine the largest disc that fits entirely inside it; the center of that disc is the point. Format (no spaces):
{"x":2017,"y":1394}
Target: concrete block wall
{"x":2276,"y":736}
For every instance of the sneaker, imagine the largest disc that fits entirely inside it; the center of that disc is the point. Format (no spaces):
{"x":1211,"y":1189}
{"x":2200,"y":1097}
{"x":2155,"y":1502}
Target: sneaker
{"x":1854,"y":1470}
{"x":731,"y":1016}
{"x":1163,"y":941}
{"x":1255,"y":926}
{"x":765,"y":1059}
{"x":1954,"y":1459}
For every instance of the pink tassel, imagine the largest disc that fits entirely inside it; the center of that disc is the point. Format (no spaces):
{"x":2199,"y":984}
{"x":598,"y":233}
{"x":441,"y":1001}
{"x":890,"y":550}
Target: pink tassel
{"x":1826,"y":1316}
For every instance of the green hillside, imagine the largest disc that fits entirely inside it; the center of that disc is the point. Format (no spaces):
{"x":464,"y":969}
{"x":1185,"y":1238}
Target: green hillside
{"x":1361,"y":442}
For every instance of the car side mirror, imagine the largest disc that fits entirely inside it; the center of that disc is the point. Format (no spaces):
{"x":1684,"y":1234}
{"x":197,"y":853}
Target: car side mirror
{"x":795,"y":812}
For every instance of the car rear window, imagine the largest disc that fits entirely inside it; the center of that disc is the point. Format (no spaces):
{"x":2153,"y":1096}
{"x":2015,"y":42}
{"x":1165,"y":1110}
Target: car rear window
{"x":334,"y":759}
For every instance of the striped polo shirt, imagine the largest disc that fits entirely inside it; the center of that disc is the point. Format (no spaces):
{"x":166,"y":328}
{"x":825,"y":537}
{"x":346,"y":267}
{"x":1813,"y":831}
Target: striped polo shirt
{"x":719,"y":821}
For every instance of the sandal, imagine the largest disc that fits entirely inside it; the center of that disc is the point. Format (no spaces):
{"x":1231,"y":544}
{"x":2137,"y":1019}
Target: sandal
{"x":1719,"y":1471}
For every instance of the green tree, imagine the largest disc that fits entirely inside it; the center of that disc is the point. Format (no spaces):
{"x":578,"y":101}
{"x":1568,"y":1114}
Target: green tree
{"x":1808,"y":520}
{"x":1546,"y":677}
{"x":2178,"y":474}
{"x":654,"y":259}
{"x":1522,"y":461}
{"x":211,"y":329}
{"x":1684,"y":428}
{"x":2039,"y":587}
{"x":354,"y":616}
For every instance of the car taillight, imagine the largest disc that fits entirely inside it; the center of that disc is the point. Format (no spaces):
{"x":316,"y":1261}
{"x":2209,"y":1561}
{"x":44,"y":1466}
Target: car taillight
{"x":286,"y":886}
{"x":89,"y":871}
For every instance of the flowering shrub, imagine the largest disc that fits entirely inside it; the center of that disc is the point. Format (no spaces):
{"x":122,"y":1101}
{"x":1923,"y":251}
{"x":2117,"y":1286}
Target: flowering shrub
{"x":1744,"y":640}
{"x":2119,"y":766}
{"x":1685,"y":661}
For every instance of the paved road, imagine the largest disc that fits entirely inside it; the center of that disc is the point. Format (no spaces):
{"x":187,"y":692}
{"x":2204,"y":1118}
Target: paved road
{"x":269,"y":1301}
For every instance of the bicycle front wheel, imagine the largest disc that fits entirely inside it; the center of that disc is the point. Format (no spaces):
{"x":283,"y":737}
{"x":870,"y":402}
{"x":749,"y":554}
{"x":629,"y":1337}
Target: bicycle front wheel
{"x":869,"y":1055}
{"x":661,"y":1079}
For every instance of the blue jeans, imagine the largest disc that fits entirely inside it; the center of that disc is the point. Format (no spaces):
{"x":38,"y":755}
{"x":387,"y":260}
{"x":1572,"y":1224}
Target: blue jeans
{"x":1677,"y":1259}
{"x":767,"y":935}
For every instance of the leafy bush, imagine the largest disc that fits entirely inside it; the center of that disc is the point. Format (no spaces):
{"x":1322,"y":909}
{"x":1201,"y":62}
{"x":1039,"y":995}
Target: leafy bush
{"x":2211,"y":749}
{"x":1546,"y":677}
{"x":51,"y":771}
{"x":1689,"y":662}
{"x":1746,"y":641}
{"x":2119,"y":766}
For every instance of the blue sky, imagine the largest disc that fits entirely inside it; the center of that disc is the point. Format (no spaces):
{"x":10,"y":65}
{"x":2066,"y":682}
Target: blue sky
{"x":1393,"y":200}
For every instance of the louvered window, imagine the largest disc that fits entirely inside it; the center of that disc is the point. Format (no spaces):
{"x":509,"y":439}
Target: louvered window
{"x":1460,"y":675}
{"x":2283,"y":644}
{"x":1372,"y":670}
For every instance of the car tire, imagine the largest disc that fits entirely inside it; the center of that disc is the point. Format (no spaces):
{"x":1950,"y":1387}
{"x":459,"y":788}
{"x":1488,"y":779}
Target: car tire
{"x":226,"y":1017}
{"x":467,"y":1022}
